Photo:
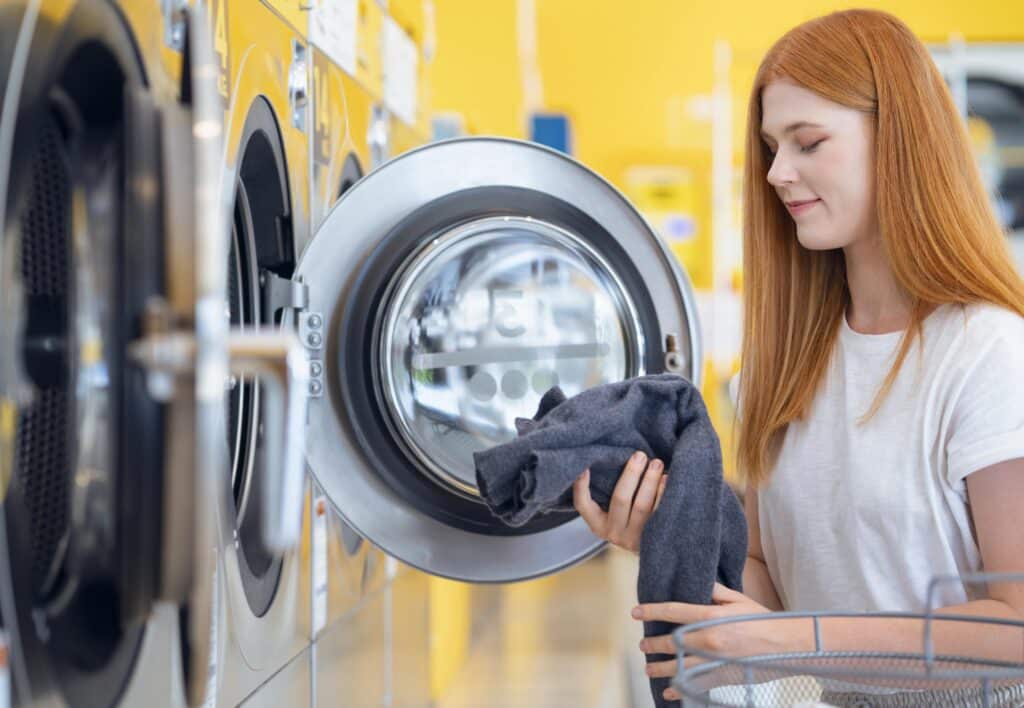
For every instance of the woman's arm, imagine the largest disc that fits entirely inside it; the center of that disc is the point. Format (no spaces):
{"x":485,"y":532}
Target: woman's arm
{"x":757,"y":584}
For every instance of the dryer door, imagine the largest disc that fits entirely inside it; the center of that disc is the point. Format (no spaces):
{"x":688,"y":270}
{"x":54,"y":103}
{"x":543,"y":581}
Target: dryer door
{"x":115,"y":349}
{"x":448,"y":290}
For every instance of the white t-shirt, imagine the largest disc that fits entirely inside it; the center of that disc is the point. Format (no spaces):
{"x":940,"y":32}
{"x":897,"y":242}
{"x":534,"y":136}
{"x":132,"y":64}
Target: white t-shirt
{"x":861,"y":517}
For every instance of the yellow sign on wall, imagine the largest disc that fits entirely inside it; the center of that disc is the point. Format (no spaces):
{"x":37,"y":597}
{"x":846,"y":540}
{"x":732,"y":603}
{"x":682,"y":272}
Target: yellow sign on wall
{"x":667,"y":197}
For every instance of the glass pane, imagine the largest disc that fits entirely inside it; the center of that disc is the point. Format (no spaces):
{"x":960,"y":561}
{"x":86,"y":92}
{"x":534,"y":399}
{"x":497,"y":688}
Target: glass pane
{"x":483,"y":322}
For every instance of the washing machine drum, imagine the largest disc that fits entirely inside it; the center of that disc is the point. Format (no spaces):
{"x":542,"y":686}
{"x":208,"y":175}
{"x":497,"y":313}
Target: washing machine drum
{"x":101,"y":517}
{"x":448,"y":291}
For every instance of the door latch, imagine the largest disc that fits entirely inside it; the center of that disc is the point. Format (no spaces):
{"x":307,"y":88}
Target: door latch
{"x":674,"y":363}
{"x":298,"y":85}
{"x":174,"y":23}
{"x":378,"y":137}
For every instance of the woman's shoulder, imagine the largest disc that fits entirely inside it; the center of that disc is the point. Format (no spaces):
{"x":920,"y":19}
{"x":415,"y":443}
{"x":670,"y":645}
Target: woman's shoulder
{"x":985,"y":321}
{"x":982,"y":331}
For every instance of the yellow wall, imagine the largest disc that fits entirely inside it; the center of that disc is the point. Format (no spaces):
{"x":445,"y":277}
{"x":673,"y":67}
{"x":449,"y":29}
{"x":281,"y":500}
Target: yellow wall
{"x":625,"y":71}
{"x":476,"y":68}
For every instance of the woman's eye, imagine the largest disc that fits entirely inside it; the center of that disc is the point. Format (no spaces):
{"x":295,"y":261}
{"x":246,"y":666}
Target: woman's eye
{"x":812,"y":147}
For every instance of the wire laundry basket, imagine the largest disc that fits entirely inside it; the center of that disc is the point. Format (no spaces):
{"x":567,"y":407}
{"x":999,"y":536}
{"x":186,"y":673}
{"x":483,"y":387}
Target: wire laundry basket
{"x":855,"y":679}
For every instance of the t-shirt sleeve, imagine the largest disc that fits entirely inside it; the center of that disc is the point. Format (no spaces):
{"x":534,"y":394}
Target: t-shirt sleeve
{"x":987,"y":422}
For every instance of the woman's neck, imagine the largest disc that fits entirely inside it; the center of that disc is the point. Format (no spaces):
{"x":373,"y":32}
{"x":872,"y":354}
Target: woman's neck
{"x":877,"y":302}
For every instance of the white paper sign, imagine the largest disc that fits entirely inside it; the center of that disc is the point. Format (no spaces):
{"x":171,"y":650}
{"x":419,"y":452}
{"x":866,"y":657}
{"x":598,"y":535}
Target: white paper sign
{"x":332,"y":29}
{"x":401,"y":70}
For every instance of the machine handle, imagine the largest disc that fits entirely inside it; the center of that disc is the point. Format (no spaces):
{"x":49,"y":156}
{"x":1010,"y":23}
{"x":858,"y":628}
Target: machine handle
{"x":279,"y":360}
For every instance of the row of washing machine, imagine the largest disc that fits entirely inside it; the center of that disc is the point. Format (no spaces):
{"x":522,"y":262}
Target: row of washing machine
{"x":240,"y":382}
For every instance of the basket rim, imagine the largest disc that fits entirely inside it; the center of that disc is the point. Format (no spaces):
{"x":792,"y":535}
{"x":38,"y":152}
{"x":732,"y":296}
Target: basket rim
{"x":995,"y":670}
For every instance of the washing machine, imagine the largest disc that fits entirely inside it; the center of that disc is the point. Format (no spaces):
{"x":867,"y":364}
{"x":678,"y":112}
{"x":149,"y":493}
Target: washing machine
{"x":265,"y":68}
{"x":117,"y":353}
{"x":448,"y":290}
{"x":371,"y":79}
{"x":348,"y":137}
{"x":107,"y":567}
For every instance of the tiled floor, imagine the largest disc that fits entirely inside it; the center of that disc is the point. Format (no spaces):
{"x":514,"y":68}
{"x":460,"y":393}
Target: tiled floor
{"x":559,"y":641}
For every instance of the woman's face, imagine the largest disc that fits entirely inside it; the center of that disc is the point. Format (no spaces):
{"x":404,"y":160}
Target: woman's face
{"x":822,"y":167}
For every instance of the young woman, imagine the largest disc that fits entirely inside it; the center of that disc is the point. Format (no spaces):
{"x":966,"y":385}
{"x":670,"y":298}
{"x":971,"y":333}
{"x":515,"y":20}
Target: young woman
{"x":881,"y":427}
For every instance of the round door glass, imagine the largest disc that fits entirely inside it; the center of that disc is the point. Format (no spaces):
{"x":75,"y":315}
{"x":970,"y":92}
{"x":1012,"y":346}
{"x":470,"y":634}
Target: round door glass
{"x":482,"y":322}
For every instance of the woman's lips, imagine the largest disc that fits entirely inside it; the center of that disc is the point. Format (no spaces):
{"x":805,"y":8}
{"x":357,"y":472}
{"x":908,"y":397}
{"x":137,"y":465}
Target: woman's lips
{"x":798,"y":208}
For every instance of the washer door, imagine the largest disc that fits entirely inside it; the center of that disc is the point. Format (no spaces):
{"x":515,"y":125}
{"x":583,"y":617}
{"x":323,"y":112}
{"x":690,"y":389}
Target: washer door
{"x":448,"y":290}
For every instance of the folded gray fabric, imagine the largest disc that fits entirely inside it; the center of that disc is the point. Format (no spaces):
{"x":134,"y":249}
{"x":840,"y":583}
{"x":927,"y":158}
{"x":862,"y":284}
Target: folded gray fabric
{"x":697,"y":535}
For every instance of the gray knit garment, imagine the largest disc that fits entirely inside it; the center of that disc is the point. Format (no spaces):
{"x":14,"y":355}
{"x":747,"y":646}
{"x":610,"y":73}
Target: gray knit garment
{"x":697,"y":535}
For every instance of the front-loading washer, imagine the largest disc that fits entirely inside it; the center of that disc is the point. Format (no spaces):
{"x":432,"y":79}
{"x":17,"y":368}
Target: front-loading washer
{"x":370,"y":94}
{"x":448,"y":290}
{"x":107,"y":591}
{"x":116,"y":353}
{"x":345,"y":140}
{"x":264,"y":76}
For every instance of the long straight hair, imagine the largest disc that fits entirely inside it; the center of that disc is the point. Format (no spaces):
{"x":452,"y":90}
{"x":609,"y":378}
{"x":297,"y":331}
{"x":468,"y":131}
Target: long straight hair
{"x":938,"y":230}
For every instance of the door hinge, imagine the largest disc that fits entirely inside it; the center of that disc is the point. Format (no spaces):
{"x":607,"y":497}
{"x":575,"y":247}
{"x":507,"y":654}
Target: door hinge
{"x":312,"y":330}
{"x":277,"y":293}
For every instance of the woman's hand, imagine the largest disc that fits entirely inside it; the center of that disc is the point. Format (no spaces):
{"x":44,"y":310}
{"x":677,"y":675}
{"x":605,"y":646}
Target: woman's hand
{"x":729,"y":639}
{"x":624,"y":522}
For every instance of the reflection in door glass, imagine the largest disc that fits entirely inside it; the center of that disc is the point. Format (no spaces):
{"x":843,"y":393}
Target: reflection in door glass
{"x":482,"y":322}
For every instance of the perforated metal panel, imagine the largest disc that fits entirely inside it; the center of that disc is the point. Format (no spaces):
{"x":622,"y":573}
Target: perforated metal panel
{"x":45,"y":250}
{"x":43,"y":451}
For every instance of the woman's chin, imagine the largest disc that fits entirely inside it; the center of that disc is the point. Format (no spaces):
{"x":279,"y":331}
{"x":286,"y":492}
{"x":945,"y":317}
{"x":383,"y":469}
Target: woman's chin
{"x":814,"y":240}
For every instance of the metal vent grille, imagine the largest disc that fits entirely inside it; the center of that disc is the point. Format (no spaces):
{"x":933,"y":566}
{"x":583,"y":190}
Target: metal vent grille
{"x":45,"y":248}
{"x":42,"y":468}
{"x":43,"y":449}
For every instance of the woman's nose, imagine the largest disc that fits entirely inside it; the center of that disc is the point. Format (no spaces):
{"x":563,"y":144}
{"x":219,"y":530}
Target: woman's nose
{"x":781,"y":172}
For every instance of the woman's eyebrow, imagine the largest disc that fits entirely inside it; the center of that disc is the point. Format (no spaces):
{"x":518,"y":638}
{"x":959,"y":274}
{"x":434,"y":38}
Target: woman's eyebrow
{"x":793,"y":126}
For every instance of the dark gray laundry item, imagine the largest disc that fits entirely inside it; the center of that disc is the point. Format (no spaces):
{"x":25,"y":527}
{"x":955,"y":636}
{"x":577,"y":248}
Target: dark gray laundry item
{"x":697,"y":535}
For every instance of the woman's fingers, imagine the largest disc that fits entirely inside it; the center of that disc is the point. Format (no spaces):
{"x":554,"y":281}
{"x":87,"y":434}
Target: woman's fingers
{"x":671,"y":694}
{"x":690,"y":661}
{"x":661,"y":669}
{"x":677,"y":612}
{"x":646,"y":496}
{"x":720,"y":594}
{"x":658,"y":645}
{"x":625,"y":490}
{"x":661,"y":490}
{"x":637,"y":494}
{"x":596,"y":519}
